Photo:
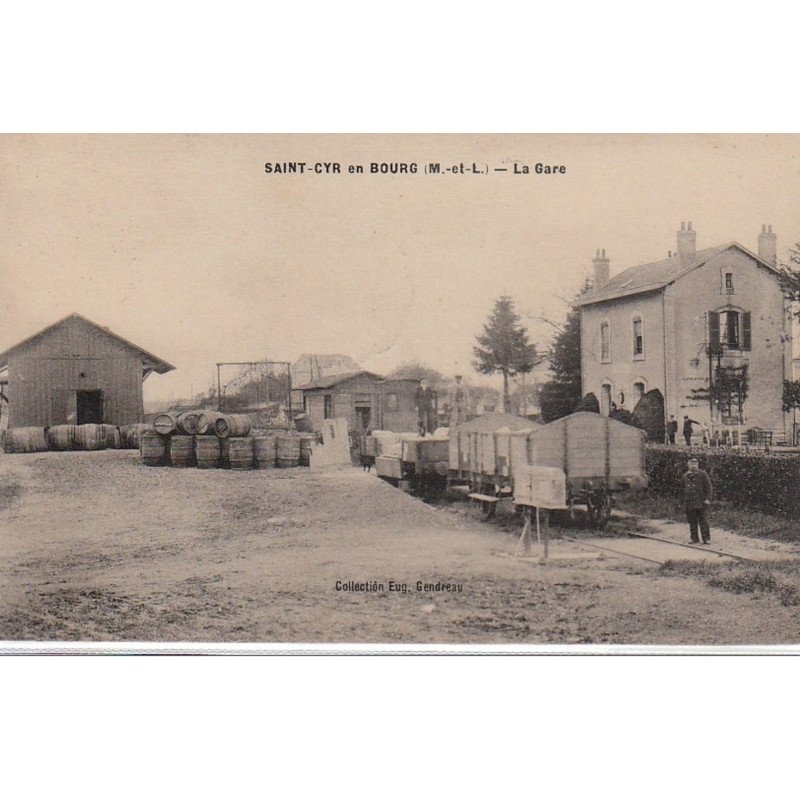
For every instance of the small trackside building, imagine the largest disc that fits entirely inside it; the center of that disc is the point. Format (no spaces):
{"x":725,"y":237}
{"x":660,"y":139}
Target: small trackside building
{"x":676,"y":324}
{"x":77,"y":372}
{"x":366,"y":400}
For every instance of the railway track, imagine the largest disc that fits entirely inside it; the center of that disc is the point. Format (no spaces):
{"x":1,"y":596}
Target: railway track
{"x":671,"y":542}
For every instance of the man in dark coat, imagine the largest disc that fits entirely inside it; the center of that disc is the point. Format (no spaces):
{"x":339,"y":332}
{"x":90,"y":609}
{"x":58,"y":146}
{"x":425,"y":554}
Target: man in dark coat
{"x":425,"y":399}
{"x":697,"y":492}
{"x":687,"y":429}
{"x":672,"y":429}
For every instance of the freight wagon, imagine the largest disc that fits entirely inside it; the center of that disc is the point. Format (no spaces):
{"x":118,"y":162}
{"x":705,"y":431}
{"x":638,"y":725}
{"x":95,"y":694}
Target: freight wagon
{"x":598,"y":456}
{"x":418,"y":464}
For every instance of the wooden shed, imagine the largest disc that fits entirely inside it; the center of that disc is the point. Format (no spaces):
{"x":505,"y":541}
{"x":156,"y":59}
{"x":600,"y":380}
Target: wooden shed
{"x":75,"y":371}
{"x":366,"y":400}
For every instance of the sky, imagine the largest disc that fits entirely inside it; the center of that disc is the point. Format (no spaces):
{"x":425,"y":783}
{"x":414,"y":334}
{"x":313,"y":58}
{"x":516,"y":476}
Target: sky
{"x":184,"y":245}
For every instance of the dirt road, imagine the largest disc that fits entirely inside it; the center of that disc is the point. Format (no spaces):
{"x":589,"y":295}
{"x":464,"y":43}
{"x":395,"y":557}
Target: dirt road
{"x":96,"y":547}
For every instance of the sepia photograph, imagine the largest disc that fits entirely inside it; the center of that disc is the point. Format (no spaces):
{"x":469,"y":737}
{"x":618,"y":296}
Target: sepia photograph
{"x":400,"y":390}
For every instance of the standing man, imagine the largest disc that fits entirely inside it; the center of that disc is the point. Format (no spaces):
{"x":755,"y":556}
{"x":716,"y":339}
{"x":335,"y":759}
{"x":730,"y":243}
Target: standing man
{"x":687,"y":429}
{"x":425,"y":399}
{"x":697,"y":492}
{"x":672,"y":429}
{"x":457,"y":403}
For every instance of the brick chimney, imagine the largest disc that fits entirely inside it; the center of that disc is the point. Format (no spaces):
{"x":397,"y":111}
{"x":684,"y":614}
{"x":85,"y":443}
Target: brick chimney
{"x":768,"y":245}
{"x":601,"y":268}
{"x":687,"y":244}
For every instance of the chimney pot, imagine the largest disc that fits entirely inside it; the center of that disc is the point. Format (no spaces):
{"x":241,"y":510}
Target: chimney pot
{"x":601,"y":268}
{"x":768,"y":245}
{"x":687,"y":244}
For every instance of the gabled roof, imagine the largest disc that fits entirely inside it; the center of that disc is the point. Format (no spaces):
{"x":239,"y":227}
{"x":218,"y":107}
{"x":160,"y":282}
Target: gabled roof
{"x":657,"y":275}
{"x":150,"y":362}
{"x":333,"y":380}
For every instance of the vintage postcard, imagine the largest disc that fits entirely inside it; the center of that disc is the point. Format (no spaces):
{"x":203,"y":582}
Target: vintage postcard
{"x":398,"y":391}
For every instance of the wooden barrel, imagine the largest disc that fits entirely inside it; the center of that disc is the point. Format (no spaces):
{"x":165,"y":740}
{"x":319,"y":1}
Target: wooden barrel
{"x":181,"y":450}
{"x":205,"y":422}
{"x":287,"y":450}
{"x":240,"y":452}
{"x":89,"y":437}
{"x":166,"y":423}
{"x":264,"y":448}
{"x":131,"y":434}
{"x":187,"y":422}
{"x":111,"y":437}
{"x":232,"y":425}
{"x":25,"y":440}
{"x":207,"y":452}
{"x":61,"y":437}
{"x":154,"y":449}
{"x":307,"y":441}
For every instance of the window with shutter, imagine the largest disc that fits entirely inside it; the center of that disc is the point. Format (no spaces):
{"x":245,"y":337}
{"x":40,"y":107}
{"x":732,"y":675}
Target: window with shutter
{"x":713,"y":328}
{"x":747,"y":335}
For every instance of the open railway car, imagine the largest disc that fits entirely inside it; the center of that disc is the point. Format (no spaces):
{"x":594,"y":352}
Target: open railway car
{"x":413,"y":462}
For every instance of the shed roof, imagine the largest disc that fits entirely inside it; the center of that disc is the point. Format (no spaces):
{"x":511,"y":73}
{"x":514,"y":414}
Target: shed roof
{"x":151,"y":362}
{"x":333,"y":380}
{"x":656,"y":275}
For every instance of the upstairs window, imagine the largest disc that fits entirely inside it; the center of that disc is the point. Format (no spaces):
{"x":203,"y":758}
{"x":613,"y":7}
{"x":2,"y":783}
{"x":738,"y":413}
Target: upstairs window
{"x":638,"y":337}
{"x":730,"y":328}
{"x":605,"y":342}
{"x":729,"y":282}
{"x":327,"y":411}
{"x":391,"y":401}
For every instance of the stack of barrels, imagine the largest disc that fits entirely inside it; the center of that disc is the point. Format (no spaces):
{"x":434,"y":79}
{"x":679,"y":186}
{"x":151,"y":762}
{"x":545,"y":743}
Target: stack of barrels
{"x":211,"y":440}
{"x":63,"y":437}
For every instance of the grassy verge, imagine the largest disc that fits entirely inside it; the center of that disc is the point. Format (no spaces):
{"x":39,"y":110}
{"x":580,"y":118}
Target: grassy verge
{"x":778,"y":579}
{"x":729,"y":516}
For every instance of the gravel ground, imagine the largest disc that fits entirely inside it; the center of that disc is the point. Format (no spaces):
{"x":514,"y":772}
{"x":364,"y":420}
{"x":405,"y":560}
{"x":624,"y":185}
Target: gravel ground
{"x":96,"y":547}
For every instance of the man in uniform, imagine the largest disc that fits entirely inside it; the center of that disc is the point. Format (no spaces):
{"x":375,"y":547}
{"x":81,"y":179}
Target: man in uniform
{"x":687,"y":429}
{"x":457,"y":403}
{"x":425,"y":399}
{"x":672,"y":429}
{"x":697,"y":492}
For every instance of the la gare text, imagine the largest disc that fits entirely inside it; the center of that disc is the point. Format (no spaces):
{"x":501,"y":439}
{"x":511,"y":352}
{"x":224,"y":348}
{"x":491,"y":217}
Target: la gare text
{"x":409,"y":168}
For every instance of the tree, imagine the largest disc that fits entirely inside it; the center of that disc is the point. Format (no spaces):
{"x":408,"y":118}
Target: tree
{"x":417,"y":371}
{"x":789,"y":277}
{"x":648,"y":414}
{"x":791,"y":395}
{"x":588,"y":402}
{"x":504,"y":346}
{"x":561,"y":395}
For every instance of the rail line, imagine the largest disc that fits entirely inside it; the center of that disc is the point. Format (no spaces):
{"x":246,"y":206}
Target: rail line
{"x":660,"y":562}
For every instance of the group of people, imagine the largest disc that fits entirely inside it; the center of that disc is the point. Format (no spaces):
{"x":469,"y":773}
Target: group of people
{"x":425,"y":398}
{"x":688,"y":429}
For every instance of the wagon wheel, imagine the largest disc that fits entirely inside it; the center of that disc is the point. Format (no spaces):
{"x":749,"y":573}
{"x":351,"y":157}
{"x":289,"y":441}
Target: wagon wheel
{"x":600,"y":513}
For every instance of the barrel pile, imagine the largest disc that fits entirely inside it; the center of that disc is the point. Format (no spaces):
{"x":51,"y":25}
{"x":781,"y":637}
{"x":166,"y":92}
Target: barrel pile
{"x":210,"y":440}
{"x":72,"y":437}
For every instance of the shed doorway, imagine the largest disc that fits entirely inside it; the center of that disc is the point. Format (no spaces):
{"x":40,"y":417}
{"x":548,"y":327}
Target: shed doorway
{"x":364,"y":416}
{"x":89,"y":407}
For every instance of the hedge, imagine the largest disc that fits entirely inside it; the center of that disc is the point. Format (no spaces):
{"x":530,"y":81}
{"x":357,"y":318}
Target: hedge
{"x":767,"y":482}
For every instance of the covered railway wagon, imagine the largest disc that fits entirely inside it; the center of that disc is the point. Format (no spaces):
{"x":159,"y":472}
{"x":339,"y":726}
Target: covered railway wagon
{"x":598,"y":455}
{"x":484,"y":452}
